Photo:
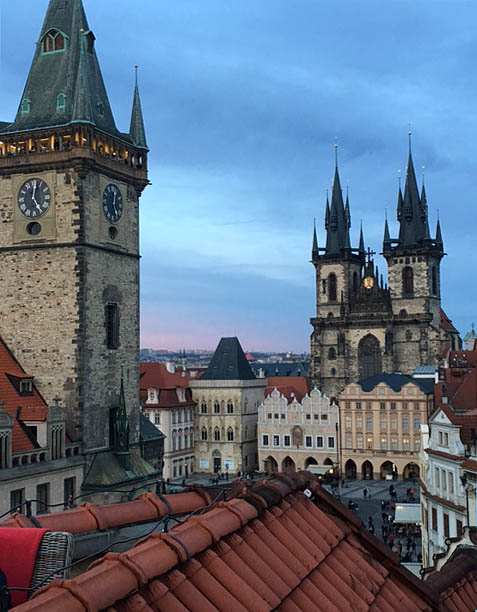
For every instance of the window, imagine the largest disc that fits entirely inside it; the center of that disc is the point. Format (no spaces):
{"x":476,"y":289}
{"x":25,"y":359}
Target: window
{"x":444,"y":480}
{"x":331,"y":441}
{"x":217,"y":434}
{"x":434,"y":519}
{"x":359,"y":422}
{"x":230,"y":434}
{"x":147,"y":415}
{"x":383,"y":444}
{"x":265,"y":440}
{"x":90,"y":38}
{"x":100,"y":107}
{"x":446,"y":439}
{"x":369,"y":442}
{"x":405,"y":424}
{"x":417,"y":424}
{"x":332,"y":292}
{"x":393,"y":405}
{"x":359,"y":442}
{"x":324,"y":417}
{"x":17,"y":499}
{"x":382,"y":406}
{"x":348,"y":441}
{"x":393,"y":423}
{"x":368,"y":406}
{"x":358,"y":405}
{"x":384,"y":423}
{"x":417,"y":445}
{"x":203,"y":408}
{"x":458,"y":528}
{"x":408,"y":281}
{"x":348,"y":405}
{"x":216,"y":408}
{"x":332,"y":353}
{"x":445,"y":516}
{"x":276,"y":440}
{"x":417,"y":405}
{"x":319,"y":441}
{"x":394,"y":444}
{"x":408,"y":335}
{"x":25,"y":107}
{"x":308,"y":441}
{"x":112,"y":326}
{"x":450,"y":477}
{"x":26,"y":387}
{"x":230,"y":408}
{"x":369,"y":423}
{"x":437,"y":480}
{"x":42,"y":498}
{"x":53,"y":41}
{"x":286,"y":440}
{"x":333,"y":372}
{"x":69,"y":489}
{"x":348,"y":424}
{"x":60,"y":102}
{"x":308,"y":417}
{"x":405,"y":444}
{"x":404,"y":405}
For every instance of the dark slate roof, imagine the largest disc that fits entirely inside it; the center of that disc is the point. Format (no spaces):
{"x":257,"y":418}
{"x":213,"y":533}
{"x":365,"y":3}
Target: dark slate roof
{"x":296,"y":368}
{"x":228,"y":362}
{"x":148,"y":431}
{"x":396,"y":382}
{"x":337,"y":232}
{"x":74,"y":72}
{"x":106,"y":471}
{"x":137,"y":130}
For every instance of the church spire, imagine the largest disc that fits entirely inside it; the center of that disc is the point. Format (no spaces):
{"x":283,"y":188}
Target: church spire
{"x":137,"y":131}
{"x":65,"y":83}
{"x":387,"y":238}
{"x":439,"y":240}
{"x":121,"y":430}
{"x":314,"y":250}
{"x":337,"y":230}
{"x":361,"y":241}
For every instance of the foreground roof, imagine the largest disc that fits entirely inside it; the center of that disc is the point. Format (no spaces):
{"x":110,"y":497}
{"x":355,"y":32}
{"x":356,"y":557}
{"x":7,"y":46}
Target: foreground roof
{"x":270,"y":547}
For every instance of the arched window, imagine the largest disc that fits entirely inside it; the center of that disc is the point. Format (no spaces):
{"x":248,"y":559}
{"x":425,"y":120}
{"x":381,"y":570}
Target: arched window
{"x":332,"y":288}
{"x":403,"y":312}
{"x":230,"y":407}
{"x":216,"y":408}
{"x":369,"y":357}
{"x":330,"y":315}
{"x":217,"y":434}
{"x":25,"y":107}
{"x":434,"y":280}
{"x":332,"y":353}
{"x":60,"y":102}
{"x":230,"y":434}
{"x":203,"y":433}
{"x":203,"y":407}
{"x":174,"y":440}
{"x":355,"y":282}
{"x":53,"y":41}
{"x":408,"y":281}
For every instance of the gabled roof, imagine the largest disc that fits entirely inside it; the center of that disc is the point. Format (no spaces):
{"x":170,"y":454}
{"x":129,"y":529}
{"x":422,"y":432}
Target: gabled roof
{"x":148,"y":431}
{"x":74,"y":72}
{"x":228,"y":362}
{"x":396,"y":382}
{"x":270,"y":547}
{"x":292,"y":387}
{"x":32,"y":408}
{"x":447,"y":324}
{"x":156,"y":376}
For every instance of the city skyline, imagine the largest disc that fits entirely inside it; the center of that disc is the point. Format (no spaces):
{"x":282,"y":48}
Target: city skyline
{"x":243,"y":105}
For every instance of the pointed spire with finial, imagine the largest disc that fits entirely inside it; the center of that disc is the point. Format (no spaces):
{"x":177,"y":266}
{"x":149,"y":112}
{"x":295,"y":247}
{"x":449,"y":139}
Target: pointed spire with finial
{"x":121,"y":429}
{"x":315,"y":254}
{"x":361,"y":247}
{"x":387,"y":237}
{"x":347,"y":210}
{"x":327,"y":212}
{"x":137,"y":130}
{"x":439,"y":240}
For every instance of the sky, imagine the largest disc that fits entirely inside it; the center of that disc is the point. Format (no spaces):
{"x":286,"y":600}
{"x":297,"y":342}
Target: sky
{"x":243,"y":103}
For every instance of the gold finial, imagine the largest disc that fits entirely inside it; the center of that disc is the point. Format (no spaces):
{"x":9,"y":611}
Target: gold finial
{"x":82,"y":31}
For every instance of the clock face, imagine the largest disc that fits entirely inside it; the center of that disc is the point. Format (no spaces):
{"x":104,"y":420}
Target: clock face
{"x":368,"y":282}
{"x":112,"y":203}
{"x":34,"y":198}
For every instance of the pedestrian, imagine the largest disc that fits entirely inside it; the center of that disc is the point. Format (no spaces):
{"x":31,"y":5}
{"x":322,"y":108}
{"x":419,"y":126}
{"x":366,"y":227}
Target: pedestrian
{"x":392,"y":537}
{"x":365,"y":492}
{"x":370,"y":521}
{"x":413,"y":546}
{"x":383,"y":504}
{"x":383,"y":531}
{"x":384,"y":516}
{"x":371,"y":529}
{"x":227,"y":475}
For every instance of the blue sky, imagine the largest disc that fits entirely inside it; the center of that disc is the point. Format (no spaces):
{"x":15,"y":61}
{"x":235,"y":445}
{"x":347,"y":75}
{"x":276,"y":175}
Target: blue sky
{"x":243,"y":102}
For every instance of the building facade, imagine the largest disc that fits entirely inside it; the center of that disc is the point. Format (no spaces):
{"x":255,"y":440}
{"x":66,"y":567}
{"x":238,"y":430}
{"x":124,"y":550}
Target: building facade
{"x":364,"y":326}
{"x":228,"y":396}
{"x":298,"y":435}
{"x":167,"y":402}
{"x":70,"y":184}
{"x":381,"y":420}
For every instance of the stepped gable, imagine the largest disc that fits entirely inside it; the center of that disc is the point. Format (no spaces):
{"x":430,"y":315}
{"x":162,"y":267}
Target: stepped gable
{"x":228,"y":362}
{"x":279,"y":544}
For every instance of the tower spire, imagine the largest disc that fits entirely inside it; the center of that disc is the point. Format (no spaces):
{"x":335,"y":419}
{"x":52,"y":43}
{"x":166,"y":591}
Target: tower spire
{"x":361,"y":240}
{"x":337,"y":230}
{"x":137,"y":130}
{"x":314,"y":251}
{"x":121,"y":429}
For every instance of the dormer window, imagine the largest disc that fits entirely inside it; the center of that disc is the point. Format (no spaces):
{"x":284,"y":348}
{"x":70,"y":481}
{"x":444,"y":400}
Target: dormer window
{"x":181,"y":394}
{"x":25,"y":107}
{"x":61,"y":102}
{"x":53,"y":41}
{"x":100,"y":108}
{"x":90,"y":38}
{"x":26,"y":387}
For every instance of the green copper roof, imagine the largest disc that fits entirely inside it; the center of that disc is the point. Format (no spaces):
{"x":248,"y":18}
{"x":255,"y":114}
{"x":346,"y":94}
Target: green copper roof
{"x":107,"y":471}
{"x":73,"y":71}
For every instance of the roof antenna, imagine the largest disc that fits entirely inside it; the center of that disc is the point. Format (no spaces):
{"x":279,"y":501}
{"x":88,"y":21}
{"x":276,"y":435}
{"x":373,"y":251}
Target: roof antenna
{"x":336,"y":152}
{"x":399,"y":177}
{"x":423,"y":174}
{"x":135,"y":70}
{"x":409,"y":134}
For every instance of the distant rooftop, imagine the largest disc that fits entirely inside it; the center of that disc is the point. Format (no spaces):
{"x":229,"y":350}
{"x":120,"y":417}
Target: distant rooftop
{"x":228,"y":362}
{"x":396,"y":382}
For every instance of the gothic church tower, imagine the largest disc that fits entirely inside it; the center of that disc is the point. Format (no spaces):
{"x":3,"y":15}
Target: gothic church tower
{"x":70,"y":183}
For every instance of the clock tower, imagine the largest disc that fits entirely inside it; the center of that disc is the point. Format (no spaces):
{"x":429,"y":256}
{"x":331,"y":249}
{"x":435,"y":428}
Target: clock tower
{"x":70,"y":184}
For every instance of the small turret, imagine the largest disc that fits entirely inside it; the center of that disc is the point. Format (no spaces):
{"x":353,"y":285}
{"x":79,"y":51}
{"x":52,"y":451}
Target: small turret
{"x":314,"y":251}
{"x":137,"y":130}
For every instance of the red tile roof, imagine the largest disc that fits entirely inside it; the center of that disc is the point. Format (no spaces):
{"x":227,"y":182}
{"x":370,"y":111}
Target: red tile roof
{"x":270,"y":547}
{"x":20,"y":407}
{"x":290,"y":386}
{"x":156,"y":376}
{"x":446,"y":323}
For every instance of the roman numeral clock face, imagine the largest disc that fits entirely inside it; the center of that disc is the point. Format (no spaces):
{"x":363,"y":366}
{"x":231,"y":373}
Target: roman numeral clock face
{"x":112,"y":204}
{"x":34,"y":198}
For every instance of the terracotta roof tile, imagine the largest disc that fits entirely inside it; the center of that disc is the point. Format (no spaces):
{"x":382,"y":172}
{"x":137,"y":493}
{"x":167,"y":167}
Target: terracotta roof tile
{"x":292,"y":387}
{"x":290,"y":553}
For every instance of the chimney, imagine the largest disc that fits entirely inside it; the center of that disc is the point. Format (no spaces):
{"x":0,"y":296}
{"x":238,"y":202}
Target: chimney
{"x":170,"y":367}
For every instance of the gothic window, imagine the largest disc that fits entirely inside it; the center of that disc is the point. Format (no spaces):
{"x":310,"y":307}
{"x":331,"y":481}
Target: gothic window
{"x":332,"y":293}
{"x":230,"y":407}
{"x":217,"y":434}
{"x":434,"y":281}
{"x":330,"y":315}
{"x":53,"y":41}
{"x":216,"y":408}
{"x":403,"y":312}
{"x":112,"y":326}
{"x":369,"y":357}
{"x":203,"y":408}
{"x":203,"y":433}
{"x":332,"y":353}
{"x":230,"y":434}
{"x":408,"y":281}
